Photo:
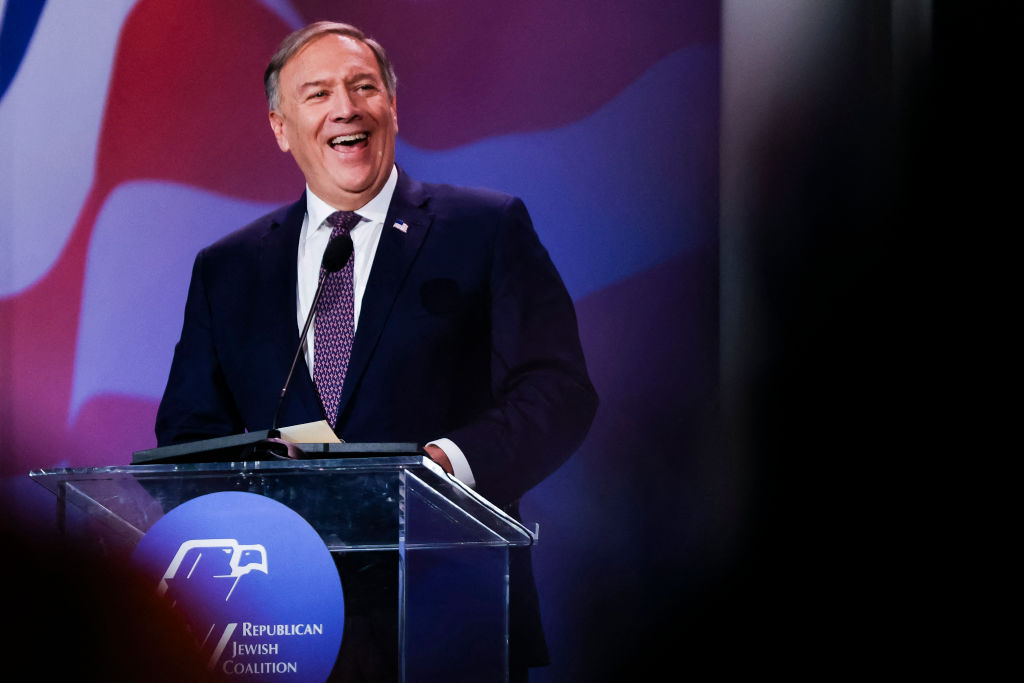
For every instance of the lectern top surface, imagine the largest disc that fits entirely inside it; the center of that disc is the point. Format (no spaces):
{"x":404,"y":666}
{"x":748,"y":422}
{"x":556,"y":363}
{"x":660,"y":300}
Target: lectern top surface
{"x":394,"y":463}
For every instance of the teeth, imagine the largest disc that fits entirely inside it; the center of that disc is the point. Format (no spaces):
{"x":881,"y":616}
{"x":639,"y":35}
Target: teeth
{"x":343,"y":139}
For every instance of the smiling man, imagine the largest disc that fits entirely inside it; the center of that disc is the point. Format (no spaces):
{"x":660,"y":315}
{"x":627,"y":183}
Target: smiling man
{"x":448,"y":326}
{"x":332,"y":108}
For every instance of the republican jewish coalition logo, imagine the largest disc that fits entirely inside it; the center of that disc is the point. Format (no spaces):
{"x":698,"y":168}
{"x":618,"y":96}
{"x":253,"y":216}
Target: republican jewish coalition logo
{"x":255,"y":582}
{"x":239,"y":564}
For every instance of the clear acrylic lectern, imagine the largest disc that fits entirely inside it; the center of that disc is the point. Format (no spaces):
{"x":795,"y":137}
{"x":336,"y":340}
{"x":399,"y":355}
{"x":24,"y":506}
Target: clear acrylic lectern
{"x":408,"y":540}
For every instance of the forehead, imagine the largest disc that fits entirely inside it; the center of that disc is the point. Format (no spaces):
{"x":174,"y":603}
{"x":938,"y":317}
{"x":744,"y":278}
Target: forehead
{"x":330,"y":56}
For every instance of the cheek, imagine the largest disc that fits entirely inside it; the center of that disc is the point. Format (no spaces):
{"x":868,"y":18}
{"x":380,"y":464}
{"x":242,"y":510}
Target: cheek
{"x":308,"y":149}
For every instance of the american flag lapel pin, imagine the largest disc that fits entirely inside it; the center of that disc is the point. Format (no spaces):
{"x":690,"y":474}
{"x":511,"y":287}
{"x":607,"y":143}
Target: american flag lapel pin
{"x":402,"y":226}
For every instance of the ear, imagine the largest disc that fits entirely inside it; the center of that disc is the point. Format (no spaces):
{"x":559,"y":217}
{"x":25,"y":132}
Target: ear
{"x":394,"y":112}
{"x":277,"y":125}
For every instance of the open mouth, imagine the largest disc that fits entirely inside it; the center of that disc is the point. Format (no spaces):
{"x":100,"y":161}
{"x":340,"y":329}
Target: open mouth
{"x":348,"y":140}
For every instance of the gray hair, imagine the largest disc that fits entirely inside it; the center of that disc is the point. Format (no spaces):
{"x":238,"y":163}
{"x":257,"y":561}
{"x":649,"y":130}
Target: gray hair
{"x":297,"y":40}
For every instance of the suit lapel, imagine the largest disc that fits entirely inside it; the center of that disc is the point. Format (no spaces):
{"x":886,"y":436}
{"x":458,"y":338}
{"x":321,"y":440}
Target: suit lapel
{"x":278,"y":266}
{"x":396,"y":252}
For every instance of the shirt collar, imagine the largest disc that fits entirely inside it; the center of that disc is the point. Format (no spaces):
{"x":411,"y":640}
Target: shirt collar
{"x":374,"y":210}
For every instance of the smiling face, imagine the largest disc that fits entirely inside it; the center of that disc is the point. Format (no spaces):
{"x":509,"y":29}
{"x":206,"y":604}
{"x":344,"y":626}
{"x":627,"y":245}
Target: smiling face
{"x":336,"y":119}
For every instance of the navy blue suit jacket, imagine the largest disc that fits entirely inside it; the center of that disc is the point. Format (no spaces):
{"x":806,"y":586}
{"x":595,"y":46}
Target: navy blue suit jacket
{"x":466,"y":331}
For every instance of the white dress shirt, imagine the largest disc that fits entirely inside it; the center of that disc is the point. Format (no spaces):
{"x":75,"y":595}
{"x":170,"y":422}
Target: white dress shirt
{"x":366,"y":234}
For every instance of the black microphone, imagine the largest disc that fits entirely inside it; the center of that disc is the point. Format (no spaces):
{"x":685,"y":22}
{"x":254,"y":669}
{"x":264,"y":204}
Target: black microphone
{"x":337,"y":254}
{"x":335,"y":257}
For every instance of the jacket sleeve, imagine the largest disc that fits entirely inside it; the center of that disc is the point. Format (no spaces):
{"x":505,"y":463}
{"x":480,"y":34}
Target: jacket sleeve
{"x":196,"y":403}
{"x":544,"y":401}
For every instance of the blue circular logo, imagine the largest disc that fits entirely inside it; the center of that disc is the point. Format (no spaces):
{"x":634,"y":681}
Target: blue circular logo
{"x":255,"y":583}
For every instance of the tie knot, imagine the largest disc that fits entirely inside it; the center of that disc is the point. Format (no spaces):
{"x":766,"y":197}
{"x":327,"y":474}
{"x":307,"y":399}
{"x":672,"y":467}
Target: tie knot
{"x":342,"y":222}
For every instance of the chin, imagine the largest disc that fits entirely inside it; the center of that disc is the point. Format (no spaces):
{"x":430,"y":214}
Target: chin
{"x":353,"y":182}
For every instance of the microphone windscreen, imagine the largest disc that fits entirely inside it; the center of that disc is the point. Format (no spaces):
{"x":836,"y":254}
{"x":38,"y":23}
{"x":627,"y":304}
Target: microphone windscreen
{"x":337,"y":253}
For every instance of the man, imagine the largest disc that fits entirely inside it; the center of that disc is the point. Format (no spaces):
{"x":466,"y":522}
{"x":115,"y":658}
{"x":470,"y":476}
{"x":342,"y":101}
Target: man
{"x":448,"y":325}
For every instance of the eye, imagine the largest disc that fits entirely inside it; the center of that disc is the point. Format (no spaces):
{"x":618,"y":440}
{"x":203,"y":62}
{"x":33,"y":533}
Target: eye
{"x":366,"y":87}
{"x":319,"y":94}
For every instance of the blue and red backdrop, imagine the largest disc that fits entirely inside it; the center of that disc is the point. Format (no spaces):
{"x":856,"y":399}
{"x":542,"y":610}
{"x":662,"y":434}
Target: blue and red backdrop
{"x":134,"y":132}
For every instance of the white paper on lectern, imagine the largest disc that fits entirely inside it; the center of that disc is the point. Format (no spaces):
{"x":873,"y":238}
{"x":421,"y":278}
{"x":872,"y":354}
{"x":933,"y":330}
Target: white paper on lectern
{"x":310,"y":432}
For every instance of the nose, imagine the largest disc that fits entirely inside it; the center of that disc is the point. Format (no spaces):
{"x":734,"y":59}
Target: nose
{"x":343,"y":107}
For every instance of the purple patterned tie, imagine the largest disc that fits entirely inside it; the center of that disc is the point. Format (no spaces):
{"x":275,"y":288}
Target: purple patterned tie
{"x":334,"y":325}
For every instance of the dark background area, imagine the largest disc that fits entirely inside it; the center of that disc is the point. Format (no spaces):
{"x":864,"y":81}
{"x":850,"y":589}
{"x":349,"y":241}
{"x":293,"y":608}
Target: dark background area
{"x":864,"y":210}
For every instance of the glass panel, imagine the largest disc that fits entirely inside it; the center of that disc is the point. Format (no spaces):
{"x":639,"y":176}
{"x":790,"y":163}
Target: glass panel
{"x":353,"y":503}
{"x":456,"y":588}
